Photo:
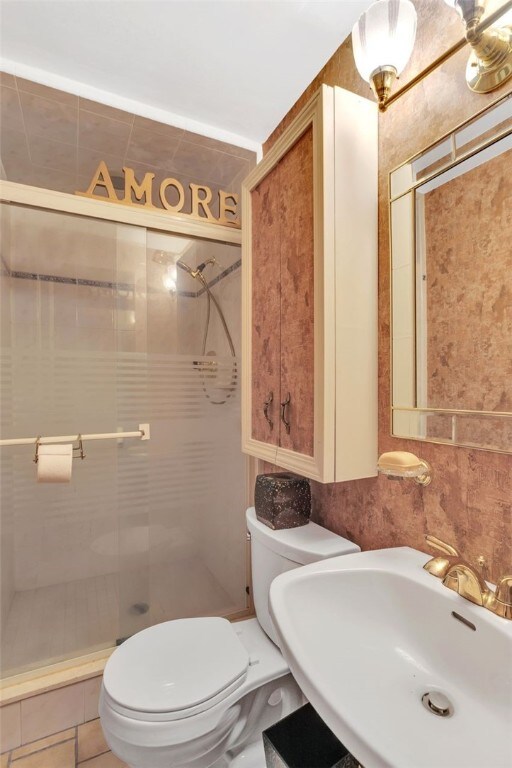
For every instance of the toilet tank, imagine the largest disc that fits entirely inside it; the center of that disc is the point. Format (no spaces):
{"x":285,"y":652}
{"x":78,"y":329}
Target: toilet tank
{"x":274,"y":552}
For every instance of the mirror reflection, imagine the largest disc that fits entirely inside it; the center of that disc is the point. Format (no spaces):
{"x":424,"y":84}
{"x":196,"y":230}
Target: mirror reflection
{"x":452,"y":287}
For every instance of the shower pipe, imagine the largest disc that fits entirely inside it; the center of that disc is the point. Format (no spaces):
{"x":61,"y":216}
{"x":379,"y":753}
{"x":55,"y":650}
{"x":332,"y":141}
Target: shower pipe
{"x":197,"y":274}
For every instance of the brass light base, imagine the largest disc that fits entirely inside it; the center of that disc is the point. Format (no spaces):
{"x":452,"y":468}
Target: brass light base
{"x":484,"y":75}
{"x":381,"y":82}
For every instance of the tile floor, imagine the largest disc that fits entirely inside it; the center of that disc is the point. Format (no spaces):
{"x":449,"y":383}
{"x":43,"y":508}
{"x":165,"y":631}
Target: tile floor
{"x":82,"y":746}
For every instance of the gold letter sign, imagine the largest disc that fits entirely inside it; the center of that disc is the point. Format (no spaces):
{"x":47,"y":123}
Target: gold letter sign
{"x":140,"y":194}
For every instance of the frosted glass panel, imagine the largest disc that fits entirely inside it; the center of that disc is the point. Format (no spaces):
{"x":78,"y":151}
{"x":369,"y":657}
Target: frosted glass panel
{"x":96,"y":339}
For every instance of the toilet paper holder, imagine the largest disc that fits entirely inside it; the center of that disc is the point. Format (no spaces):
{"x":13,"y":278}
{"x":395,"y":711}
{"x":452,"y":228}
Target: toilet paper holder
{"x":79,"y":448}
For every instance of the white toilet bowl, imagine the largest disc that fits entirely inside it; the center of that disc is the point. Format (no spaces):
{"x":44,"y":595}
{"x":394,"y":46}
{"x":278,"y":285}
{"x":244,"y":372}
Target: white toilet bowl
{"x":234,"y":684}
{"x":197,"y":693}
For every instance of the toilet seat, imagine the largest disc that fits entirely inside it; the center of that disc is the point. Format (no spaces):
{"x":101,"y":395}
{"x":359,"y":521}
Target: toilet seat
{"x":176,"y":669}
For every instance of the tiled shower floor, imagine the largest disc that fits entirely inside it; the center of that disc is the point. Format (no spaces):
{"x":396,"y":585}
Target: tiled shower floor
{"x":59,"y":621}
{"x":64,"y":620}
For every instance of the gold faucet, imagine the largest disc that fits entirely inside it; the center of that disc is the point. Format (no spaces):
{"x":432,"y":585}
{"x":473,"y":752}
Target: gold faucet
{"x":458,"y":574}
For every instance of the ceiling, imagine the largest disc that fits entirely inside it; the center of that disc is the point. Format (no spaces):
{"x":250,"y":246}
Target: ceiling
{"x":226,"y":68}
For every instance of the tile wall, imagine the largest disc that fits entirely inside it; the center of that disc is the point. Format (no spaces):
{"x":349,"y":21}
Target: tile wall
{"x":56,"y":140}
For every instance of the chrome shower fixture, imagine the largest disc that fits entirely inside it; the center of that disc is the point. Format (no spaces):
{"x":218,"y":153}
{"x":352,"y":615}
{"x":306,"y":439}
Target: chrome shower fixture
{"x":198,"y":271}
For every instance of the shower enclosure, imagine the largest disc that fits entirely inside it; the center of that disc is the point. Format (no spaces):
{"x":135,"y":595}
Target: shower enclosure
{"x":101,"y":331}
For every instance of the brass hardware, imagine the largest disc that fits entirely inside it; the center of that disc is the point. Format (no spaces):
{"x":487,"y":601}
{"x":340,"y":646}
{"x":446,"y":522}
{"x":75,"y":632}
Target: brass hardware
{"x":266,"y":405}
{"x":488,"y":22}
{"x":490,"y":63}
{"x":283,"y":413}
{"x":500,"y":601}
{"x":482,"y":564}
{"x":464,"y":579}
{"x":460,"y":576}
{"x":381,"y":82}
{"x":439,"y":566}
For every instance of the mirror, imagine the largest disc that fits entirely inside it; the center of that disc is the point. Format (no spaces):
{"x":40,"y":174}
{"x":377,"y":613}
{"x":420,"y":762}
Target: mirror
{"x":451,"y":277}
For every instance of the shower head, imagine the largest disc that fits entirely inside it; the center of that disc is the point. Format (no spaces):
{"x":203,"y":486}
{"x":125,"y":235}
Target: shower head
{"x":198,"y":272}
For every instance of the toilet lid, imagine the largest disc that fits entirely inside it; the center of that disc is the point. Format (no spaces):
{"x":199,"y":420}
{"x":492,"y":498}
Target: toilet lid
{"x":176,"y":665}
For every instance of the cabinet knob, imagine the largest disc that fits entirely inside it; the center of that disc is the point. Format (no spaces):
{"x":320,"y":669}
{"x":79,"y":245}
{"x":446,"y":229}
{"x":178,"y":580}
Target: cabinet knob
{"x":284,"y":404}
{"x":266,"y":405}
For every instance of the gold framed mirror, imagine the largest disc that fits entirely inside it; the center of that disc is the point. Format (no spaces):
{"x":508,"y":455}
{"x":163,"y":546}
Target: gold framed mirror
{"x":451,"y":287}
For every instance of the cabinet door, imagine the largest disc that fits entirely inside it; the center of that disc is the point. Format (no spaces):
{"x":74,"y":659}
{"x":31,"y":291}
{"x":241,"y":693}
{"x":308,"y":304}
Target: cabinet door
{"x":266,"y":327}
{"x":296,"y":217}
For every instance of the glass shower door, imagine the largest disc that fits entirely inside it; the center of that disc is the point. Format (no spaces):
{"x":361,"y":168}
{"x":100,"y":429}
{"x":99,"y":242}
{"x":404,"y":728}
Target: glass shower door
{"x":101,"y":332}
{"x":183,"y":552}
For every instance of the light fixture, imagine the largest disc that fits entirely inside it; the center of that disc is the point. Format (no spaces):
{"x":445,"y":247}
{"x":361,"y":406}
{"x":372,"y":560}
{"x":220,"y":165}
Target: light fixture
{"x":383,"y":40}
{"x":490,"y":63}
{"x":404,"y":464}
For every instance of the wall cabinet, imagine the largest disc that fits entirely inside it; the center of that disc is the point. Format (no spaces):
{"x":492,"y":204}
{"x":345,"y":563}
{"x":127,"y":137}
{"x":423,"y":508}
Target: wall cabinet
{"x":309,"y":273}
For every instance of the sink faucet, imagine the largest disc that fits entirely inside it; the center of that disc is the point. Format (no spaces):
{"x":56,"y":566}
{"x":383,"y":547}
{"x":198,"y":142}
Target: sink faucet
{"x":458,"y":574}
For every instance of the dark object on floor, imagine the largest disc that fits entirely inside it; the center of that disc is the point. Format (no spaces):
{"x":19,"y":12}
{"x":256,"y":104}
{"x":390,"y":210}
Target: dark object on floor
{"x":282,"y":500}
{"x":302,"y":740}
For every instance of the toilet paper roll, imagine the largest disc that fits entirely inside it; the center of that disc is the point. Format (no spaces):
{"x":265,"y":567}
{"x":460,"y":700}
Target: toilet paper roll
{"x":55,"y":463}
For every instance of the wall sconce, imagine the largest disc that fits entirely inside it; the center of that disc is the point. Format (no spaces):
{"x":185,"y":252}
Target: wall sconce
{"x":383,"y":40}
{"x":403,"y":464}
{"x":490,"y":63}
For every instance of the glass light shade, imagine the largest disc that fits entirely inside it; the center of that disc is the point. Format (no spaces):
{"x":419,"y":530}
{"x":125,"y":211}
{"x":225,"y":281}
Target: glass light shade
{"x":384,"y":36}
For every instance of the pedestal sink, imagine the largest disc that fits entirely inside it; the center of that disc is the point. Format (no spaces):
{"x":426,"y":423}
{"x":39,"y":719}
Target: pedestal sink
{"x":368,"y":634}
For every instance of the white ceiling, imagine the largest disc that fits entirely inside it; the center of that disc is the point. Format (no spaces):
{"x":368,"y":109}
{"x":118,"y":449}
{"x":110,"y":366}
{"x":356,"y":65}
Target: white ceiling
{"x":228,"y":68}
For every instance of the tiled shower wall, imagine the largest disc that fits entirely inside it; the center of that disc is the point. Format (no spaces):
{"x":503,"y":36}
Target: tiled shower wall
{"x":469,"y":502}
{"x":55,"y":139}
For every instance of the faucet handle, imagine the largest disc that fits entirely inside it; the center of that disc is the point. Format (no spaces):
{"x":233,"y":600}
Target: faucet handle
{"x":441,"y":545}
{"x":500,"y":601}
{"x":439,"y":566}
{"x":504,"y":590}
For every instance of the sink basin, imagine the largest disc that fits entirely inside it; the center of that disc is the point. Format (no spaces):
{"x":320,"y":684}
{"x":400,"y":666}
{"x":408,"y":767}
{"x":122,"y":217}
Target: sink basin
{"x":367,"y":634}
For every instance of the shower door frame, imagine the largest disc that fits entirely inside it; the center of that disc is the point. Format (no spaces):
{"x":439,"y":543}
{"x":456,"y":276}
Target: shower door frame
{"x":174,"y":224}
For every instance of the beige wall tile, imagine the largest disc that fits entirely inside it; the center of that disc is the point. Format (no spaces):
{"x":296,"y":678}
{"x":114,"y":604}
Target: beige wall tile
{"x":49,"y":741}
{"x":53,"y":154}
{"x":59,"y":756}
{"x":151,"y":148}
{"x":10,"y":109}
{"x":10,"y":727}
{"x":102,"y":133}
{"x":14,"y":151}
{"x":91,"y":741}
{"x":108,"y":760}
{"x":106,"y":111}
{"x":63,"y":97}
{"x":49,"y":118}
{"x":195,"y":160}
{"x":51,"y":712}
{"x":7,"y":79}
{"x":162,"y":128}
{"x":92,"y":689}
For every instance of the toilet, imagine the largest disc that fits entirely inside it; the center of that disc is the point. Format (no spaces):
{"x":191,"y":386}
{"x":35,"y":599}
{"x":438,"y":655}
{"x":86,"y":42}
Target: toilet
{"x":195,"y":693}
